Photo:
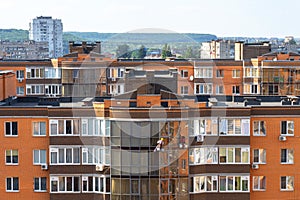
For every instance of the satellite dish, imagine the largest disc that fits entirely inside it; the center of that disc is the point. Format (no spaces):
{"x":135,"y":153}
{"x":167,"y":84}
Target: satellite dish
{"x":191,"y":78}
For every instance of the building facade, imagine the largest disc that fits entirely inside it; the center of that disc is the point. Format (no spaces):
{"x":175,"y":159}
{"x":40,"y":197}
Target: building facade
{"x":46,"y":29}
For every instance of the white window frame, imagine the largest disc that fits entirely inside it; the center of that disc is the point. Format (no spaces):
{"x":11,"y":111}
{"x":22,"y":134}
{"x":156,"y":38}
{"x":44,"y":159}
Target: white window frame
{"x":259,"y":179}
{"x":262,"y":156}
{"x":19,"y":74}
{"x":12,"y":184}
{"x":233,"y":148}
{"x":201,"y":126}
{"x":236,"y":73}
{"x":219,"y":89}
{"x":288,"y":186}
{"x":243,"y":178}
{"x":261,"y":128}
{"x":56,"y":179}
{"x":92,"y":155}
{"x":204,"y":88}
{"x":182,"y":73}
{"x":290,"y":128}
{"x":234,"y":89}
{"x":39,"y":179}
{"x":56,"y":122}
{"x":244,"y":127}
{"x":289,"y":155}
{"x":11,"y":157}
{"x":94,"y":189}
{"x":251,"y":88}
{"x":199,"y":181}
{"x":251,"y":72}
{"x":40,"y":132}
{"x":203,"y":155}
{"x":40,"y":153}
{"x":98,"y":127}
{"x":203,"y":72}
{"x":55,"y":153}
{"x":11,"y":134}
{"x":20,"y":91}
{"x":184,"y":89}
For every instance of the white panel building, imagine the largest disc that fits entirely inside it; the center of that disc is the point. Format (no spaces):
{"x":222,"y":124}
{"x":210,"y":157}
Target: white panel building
{"x":50,"y":30}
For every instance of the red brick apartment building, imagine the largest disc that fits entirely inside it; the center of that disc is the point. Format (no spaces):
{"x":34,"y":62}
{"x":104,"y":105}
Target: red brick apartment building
{"x":106,"y":148}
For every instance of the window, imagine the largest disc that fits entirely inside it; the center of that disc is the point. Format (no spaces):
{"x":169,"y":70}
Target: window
{"x":220,"y":73}
{"x":251,"y":72}
{"x":287,"y":128}
{"x":64,"y":127}
{"x":53,"y":89}
{"x":234,"y":155}
{"x":234,"y":183}
{"x":287,"y":156}
{"x":20,"y":74}
{"x":96,"y":155}
{"x":11,"y":157}
{"x":12,"y":184}
{"x":287,"y":183}
{"x":235,"y":89}
{"x":93,"y":184}
{"x":39,"y":157}
{"x":40,"y":184}
{"x":52,"y":73}
{"x":259,"y":128}
{"x":184,"y":73}
{"x":235,"y":127}
{"x":11,"y":128}
{"x":251,"y":89}
{"x":116,"y":89}
{"x":219,"y":89}
{"x":20,"y":90}
{"x":259,"y":156}
{"x":203,"y":127}
{"x":64,"y":184}
{"x":75,"y":73}
{"x":35,"y":72}
{"x":184,"y":90}
{"x":236,"y":73}
{"x":63,"y":156}
{"x":204,"y":155}
{"x":259,"y":183}
{"x":39,"y":128}
{"x":203,"y":88}
{"x":204,"y":72}
{"x":34,"y":89}
{"x":120,"y":73}
{"x":94,"y":127}
{"x":205,"y":184}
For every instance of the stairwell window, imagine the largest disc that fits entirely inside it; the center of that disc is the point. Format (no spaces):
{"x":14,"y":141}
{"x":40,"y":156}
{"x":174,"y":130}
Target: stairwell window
{"x":12,"y":157}
{"x":287,"y":128}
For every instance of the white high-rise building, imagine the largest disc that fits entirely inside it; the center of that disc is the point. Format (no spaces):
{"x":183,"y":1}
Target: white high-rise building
{"x":50,"y":30}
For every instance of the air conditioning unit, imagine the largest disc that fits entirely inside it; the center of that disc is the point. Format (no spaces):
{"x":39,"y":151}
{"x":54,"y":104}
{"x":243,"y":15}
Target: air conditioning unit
{"x":100,"y":167}
{"x":282,"y":138}
{"x":20,"y":80}
{"x":255,"y":166}
{"x":44,"y":167}
{"x":113,"y":79}
{"x":200,"y":138}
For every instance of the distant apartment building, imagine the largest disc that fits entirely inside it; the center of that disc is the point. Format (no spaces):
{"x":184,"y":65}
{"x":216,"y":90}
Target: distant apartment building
{"x":46,"y":29}
{"x":215,"y":49}
{"x":28,"y":50}
{"x":246,"y":51}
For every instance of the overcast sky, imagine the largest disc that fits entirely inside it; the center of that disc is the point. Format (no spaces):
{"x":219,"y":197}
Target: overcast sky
{"x":253,"y":18}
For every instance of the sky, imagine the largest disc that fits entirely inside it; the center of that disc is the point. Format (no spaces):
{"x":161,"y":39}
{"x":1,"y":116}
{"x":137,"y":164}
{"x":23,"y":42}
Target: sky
{"x":224,"y":18}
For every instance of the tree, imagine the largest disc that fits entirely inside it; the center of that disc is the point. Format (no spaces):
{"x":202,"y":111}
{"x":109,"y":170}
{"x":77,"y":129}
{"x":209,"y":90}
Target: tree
{"x":123,"y":51}
{"x":166,"y":51}
{"x":142,"y":52}
{"x":189,"y":53}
